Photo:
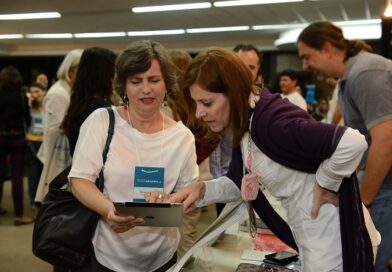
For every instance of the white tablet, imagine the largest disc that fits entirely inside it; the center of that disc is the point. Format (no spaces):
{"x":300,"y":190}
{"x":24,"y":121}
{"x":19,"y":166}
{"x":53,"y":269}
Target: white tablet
{"x":154,"y":214}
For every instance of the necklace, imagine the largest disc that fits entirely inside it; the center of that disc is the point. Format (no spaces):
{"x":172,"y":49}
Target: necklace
{"x":133,"y":142}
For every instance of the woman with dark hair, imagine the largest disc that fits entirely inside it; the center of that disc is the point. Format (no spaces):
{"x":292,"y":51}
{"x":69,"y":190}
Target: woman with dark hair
{"x":145,"y":142}
{"x":93,"y":89}
{"x":309,"y":166}
{"x":14,"y":120}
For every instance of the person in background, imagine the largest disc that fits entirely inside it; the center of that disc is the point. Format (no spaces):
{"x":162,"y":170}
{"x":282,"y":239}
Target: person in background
{"x":34,"y":138}
{"x":42,"y":79}
{"x":288,"y":82}
{"x":365,"y":99}
{"x":14,"y":119}
{"x":321,"y":110}
{"x":56,"y":103}
{"x":334,"y":115}
{"x":93,"y":89}
{"x":251,"y":56}
{"x":310,"y":166}
{"x":143,"y":137}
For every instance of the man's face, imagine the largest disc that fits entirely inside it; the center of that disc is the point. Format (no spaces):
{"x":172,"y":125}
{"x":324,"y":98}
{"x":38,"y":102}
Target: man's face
{"x":315,"y":60}
{"x":287,"y":85}
{"x":251,"y":59}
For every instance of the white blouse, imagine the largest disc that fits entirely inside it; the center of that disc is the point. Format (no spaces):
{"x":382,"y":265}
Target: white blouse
{"x":141,"y":248}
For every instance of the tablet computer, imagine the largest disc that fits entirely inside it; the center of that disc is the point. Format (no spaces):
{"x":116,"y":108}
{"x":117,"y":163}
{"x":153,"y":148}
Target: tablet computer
{"x":154,"y":214}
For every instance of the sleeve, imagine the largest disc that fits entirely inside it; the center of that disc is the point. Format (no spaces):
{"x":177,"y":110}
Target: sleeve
{"x":189,"y":171}
{"x":343,"y":161}
{"x":87,"y":161}
{"x":221,"y":190}
{"x":54,"y":112}
{"x":372,"y":96}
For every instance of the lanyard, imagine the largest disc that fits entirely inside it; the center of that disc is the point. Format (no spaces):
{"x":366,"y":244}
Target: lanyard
{"x":134,"y":143}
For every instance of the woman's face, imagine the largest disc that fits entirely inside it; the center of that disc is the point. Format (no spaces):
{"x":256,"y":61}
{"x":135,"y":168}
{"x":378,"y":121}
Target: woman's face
{"x":212,"y":108}
{"x":37,"y":94}
{"x":146,"y":91}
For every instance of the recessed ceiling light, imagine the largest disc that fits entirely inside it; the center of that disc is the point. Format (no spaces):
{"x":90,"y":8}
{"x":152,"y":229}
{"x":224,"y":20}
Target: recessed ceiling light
{"x":10,"y":36}
{"x":49,"y":36}
{"x":156,"y":32}
{"x":251,"y":2}
{"x":277,"y":27}
{"x":217,"y":29}
{"x":171,"y":7}
{"x":99,"y":34}
{"x":26,"y":16}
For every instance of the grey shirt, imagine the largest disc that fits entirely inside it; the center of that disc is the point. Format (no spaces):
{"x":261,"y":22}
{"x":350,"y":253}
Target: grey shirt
{"x":365,"y":96}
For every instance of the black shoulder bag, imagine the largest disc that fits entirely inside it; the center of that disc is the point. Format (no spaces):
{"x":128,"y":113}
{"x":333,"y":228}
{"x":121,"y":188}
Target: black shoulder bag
{"x":64,"y":227}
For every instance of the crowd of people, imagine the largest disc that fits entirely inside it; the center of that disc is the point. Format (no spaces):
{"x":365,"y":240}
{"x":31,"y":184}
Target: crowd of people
{"x":214,"y":132}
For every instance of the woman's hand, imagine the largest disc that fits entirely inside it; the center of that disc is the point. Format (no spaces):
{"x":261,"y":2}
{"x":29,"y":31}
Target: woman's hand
{"x":322,"y":196}
{"x":122,"y":223}
{"x":189,"y":195}
{"x":156,"y":197}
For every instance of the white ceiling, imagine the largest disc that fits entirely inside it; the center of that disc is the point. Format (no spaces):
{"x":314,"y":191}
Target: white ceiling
{"x":107,"y":16}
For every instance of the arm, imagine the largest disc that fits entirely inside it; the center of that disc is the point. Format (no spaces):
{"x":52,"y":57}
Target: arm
{"x":337,"y":115}
{"x":89,"y":195}
{"x":205,"y":193}
{"x":342,"y":163}
{"x":379,"y":161}
{"x":373,"y":99}
{"x":87,"y":164}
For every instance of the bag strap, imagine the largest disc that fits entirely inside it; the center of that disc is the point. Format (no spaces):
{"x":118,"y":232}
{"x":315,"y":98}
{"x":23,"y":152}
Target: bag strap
{"x":110,"y":134}
{"x":99,"y":182}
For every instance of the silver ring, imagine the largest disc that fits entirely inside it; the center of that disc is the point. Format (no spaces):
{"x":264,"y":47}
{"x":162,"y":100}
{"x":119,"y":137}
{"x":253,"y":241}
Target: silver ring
{"x":160,"y":196}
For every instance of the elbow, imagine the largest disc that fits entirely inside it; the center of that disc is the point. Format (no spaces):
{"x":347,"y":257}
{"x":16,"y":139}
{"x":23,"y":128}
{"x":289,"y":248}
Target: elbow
{"x":362,"y":144}
{"x":359,"y":144}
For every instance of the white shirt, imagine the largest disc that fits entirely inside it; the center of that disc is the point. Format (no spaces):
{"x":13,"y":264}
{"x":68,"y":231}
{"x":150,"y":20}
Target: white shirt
{"x":56,"y":104}
{"x":54,"y":150}
{"x":296,"y":99}
{"x":141,"y":248}
{"x":318,"y":240}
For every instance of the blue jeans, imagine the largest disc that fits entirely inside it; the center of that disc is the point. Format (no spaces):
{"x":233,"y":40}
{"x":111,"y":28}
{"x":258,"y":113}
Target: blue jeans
{"x":381,"y":213}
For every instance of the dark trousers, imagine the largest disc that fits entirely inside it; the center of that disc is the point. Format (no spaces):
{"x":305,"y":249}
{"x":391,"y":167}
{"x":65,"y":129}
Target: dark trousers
{"x":92,"y":265}
{"x":33,"y":168}
{"x":14,"y":147}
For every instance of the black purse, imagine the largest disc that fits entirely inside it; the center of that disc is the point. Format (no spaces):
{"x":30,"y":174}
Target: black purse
{"x":64,"y":227}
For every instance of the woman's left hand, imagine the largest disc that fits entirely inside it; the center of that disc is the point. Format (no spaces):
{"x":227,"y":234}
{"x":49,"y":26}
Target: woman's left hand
{"x":322,"y":196}
{"x":122,"y":223}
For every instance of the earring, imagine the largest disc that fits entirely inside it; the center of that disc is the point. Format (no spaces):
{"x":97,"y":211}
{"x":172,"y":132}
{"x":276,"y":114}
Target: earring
{"x":126,"y":100}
